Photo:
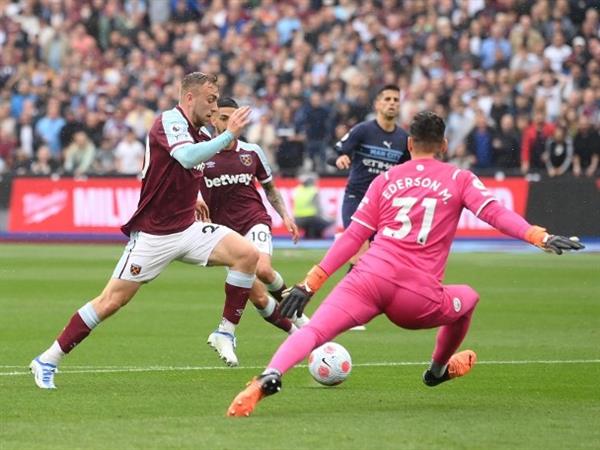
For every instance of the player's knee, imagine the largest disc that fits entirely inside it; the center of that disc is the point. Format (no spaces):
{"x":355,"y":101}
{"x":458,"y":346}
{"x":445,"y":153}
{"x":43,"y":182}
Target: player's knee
{"x":110,"y":302}
{"x":471,"y":296}
{"x":249,"y":258}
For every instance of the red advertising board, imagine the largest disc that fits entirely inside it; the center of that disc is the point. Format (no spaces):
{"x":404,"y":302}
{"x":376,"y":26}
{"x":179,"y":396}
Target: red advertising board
{"x":102,"y":205}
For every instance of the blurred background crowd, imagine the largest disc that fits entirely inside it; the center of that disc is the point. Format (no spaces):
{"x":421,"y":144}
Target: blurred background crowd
{"x":517,"y":81}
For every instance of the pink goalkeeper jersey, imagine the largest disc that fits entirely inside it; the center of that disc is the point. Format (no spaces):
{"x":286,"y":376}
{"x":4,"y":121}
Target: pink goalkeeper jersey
{"x":414,"y":209}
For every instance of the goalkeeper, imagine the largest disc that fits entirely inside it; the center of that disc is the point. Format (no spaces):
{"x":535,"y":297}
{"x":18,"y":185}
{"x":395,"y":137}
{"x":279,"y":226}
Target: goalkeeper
{"x":413,"y":209}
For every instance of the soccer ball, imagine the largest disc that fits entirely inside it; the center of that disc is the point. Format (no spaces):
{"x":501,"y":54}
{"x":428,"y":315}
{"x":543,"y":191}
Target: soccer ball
{"x":330,"y":364}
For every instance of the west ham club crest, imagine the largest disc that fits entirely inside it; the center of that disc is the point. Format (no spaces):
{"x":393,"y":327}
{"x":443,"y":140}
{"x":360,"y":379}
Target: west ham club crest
{"x":246,"y":160}
{"x":135,"y":269}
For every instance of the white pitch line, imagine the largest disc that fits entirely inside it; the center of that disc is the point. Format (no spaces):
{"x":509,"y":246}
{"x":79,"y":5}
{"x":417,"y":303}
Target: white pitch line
{"x":116,"y":369}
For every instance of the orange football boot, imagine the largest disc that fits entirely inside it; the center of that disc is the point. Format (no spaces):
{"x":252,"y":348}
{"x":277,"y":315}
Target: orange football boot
{"x":256,"y":389}
{"x":459,"y":365}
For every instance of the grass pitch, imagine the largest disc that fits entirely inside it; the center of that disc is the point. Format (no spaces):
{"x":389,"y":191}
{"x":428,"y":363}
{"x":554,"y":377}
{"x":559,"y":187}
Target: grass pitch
{"x":146,"y":378}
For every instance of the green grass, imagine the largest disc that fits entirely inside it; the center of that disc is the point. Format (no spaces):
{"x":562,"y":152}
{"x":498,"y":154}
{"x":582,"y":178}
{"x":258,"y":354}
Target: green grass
{"x":533,"y":308}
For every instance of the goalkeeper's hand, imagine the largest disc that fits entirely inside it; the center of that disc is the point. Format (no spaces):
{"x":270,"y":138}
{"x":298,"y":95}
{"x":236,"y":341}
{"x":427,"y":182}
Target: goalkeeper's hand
{"x":552,"y":242}
{"x":294,"y":301}
{"x":295,"y":298}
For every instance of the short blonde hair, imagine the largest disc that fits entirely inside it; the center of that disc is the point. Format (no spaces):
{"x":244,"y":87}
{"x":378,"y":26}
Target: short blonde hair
{"x":195,"y":79}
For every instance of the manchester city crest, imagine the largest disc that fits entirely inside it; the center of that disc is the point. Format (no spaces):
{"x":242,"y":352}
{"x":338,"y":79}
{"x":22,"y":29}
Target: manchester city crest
{"x":246,"y":159}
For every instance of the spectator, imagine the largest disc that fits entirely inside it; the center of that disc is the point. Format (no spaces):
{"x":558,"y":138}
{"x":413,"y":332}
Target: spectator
{"x":461,"y":120}
{"x":72,"y":125}
{"x":290,"y":145}
{"x":314,"y":121}
{"x":7,"y":122}
{"x":115,"y":127}
{"x":558,"y":52}
{"x":48,"y":128}
{"x":550,"y":92}
{"x":94,"y":127}
{"x":25,"y":131}
{"x":495,"y":50}
{"x":559,"y":153}
{"x":43,"y":164}
{"x":499,"y":108}
{"x":129,"y":155}
{"x":79,"y":156}
{"x":479,"y":142}
{"x":307,"y":208}
{"x":526,"y":35}
{"x":264,"y":134}
{"x":21,"y":162}
{"x":140,"y":119}
{"x":506,"y":144}
{"x":105,"y":164}
{"x":586,"y":149}
{"x":461,"y":158}
{"x":56,"y":49}
{"x":533,"y":143}
{"x":18,"y":98}
{"x":8,"y":145}
{"x":288,"y":24}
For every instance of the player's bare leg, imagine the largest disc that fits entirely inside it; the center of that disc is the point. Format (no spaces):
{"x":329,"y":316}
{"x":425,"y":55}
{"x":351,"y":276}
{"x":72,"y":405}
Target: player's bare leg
{"x":270,"y":277}
{"x":241,"y":257}
{"x":275,"y":284}
{"x":115,"y":295}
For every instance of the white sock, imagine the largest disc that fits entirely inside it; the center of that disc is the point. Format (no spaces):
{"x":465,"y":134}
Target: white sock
{"x":53,"y":355}
{"x":300,"y":321}
{"x":226,"y":326}
{"x":277,"y":283}
{"x":270,"y":370}
{"x":268,"y":310}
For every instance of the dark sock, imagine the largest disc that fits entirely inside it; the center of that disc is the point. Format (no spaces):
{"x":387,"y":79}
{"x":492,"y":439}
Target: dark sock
{"x":235,"y":301}
{"x":279,"y":321}
{"x":75,"y":332}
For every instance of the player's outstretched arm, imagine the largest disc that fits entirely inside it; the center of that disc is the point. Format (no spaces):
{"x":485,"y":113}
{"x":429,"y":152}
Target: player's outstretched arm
{"x":512,"y":224}
{"x":552,"y":243}
{"x":191,"y":155}
{"x":296,"y":298}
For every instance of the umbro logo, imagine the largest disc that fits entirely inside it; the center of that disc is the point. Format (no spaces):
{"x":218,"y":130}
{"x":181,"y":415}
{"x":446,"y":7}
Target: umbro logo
{"x":210,"y":164}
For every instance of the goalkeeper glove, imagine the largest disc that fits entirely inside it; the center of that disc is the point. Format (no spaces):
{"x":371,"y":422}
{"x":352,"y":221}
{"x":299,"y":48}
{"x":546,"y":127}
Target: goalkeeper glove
{"x":552,"y":242}
{"x":295,"y":298}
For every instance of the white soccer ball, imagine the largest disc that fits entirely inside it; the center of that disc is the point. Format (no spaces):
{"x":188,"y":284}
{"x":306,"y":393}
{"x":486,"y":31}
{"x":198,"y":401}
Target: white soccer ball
{"x":330,"y":364}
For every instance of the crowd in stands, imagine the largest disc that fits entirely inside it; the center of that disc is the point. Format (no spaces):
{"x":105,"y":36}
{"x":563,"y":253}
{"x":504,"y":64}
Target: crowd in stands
{"x":518,"y":81}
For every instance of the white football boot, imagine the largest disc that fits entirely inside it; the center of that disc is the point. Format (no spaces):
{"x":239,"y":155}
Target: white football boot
{"x":43,"y":373}
{"x":300,"y":321}
{"x":224,"y":344}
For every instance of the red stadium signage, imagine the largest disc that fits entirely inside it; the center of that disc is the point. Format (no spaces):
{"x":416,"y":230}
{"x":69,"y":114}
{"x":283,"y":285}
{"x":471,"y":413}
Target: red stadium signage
{"x":102,"y":205}
{"x":66,"y":205}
